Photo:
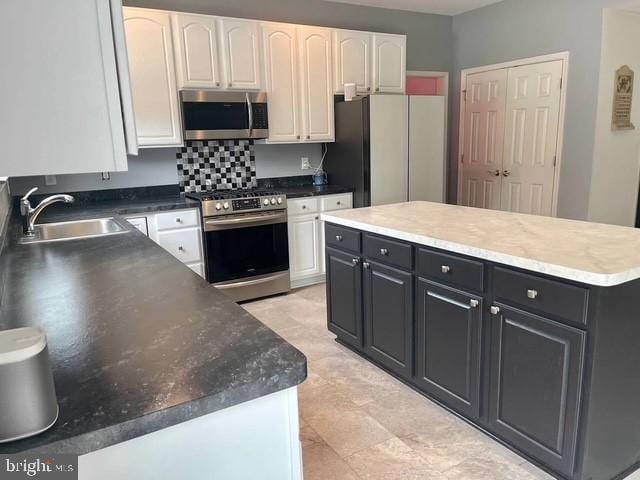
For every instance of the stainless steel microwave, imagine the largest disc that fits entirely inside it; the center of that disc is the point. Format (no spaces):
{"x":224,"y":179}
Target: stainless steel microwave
{"x":213,"y":115}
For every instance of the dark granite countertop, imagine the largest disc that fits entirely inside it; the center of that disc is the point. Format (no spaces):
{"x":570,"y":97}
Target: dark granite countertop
{"x":301,"y":186}
{"x":138,"y":342}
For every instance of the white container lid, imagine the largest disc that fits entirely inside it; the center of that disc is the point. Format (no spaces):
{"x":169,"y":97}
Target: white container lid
{"x":20,"y":344}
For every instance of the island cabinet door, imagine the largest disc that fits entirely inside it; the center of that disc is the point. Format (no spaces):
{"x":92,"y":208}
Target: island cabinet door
{"x":388,"y":316}
{"x":448,"y":338}
{"x":344,"y":296}
{"x":536,"y":381}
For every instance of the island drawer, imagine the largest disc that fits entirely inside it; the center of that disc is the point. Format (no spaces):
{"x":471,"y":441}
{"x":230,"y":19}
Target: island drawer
{"x":451,"y":269}
{"x":388,"y":251}
{"x":341,"y":237}
{"x":552,"y":297}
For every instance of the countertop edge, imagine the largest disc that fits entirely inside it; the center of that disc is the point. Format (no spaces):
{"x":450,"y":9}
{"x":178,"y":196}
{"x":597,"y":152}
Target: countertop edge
{"x":567,"y":273}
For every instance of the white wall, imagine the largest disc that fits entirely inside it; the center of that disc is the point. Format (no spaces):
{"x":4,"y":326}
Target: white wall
{"x":616,"y":159}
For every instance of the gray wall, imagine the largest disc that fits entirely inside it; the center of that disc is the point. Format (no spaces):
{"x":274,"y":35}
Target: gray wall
{"x":516,"y":29}
{"x":157,"y":166}
{"x":428,"y":36}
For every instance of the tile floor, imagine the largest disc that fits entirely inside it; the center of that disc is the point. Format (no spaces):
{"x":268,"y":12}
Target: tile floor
{"x":359,"y":423}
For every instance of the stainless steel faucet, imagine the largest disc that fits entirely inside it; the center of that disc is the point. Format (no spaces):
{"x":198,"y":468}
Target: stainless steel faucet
{"x":30,"y":214}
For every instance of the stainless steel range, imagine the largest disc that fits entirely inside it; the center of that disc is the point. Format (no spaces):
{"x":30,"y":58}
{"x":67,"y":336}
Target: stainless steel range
{"x":246,"y":241}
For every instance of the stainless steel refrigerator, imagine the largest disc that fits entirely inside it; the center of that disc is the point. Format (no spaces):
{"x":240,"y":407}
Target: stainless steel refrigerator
{"x":389,"y":148}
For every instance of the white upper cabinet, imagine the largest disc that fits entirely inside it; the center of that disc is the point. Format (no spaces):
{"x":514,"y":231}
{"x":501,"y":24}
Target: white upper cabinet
{"x":153,"y":79}
{"x":60,"y":101}
{"x":196,"y":47}
{"x":352,"y":60}
{"x":281,"y":82}
{"x":241,"y":53}
{"x":316,"y":88}
{"x":389,"y":63}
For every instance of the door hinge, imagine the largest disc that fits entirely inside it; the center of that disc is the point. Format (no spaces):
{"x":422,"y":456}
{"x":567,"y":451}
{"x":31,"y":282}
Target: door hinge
{"x":464,"y":92}
{"x":561,"y":82}
{"x":462,"y":158}
{"x":555,"y":160}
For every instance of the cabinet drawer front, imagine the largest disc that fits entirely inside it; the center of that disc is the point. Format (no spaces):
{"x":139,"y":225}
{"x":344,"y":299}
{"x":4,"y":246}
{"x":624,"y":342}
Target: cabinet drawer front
{"x":388,"y":251}
{"x":451,"y":269}
{"x":341,"y":237}
{"x":336,"y":202}
{"x":182,"y":244}
{"x":177,"y":219}
{"x":541,"y":295}
{"x":302,"y":205}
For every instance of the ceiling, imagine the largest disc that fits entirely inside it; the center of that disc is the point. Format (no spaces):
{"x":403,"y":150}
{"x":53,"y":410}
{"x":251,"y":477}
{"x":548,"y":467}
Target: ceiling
{"x":442,"y":7}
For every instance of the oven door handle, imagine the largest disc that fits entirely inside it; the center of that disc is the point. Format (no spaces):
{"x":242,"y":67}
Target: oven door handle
{"x":250,"y":110}
{"x":248,"y":221}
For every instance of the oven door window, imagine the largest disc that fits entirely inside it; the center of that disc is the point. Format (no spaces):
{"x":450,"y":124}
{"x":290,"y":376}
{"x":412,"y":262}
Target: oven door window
{"x":215,"y":116}
{"x":246,"y":252}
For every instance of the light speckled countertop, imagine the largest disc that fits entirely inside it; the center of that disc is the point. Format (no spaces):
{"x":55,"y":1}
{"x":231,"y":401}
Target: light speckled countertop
{"x":591,"y":253}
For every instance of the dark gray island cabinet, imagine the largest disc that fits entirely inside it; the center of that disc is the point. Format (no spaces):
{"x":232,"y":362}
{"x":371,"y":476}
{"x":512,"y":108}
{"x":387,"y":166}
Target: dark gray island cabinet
{"x":549,"y":366}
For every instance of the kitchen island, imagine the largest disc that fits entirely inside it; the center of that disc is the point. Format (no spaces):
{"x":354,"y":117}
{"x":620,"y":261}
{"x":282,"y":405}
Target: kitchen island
{"x":158,"y":374}
{"x":527,"y":327}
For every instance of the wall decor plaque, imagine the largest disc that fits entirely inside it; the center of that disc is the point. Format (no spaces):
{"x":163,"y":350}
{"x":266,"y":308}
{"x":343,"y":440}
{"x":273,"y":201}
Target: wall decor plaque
{"x":622,"y":99}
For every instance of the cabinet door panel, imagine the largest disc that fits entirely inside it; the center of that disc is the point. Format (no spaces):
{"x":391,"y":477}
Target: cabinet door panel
{"x":196,"y":42}
{"x":241,"y":54}
{"x":448,"y":339}
{"x":536,"y":382}
{"x":344,"y":296}
{"x":304,"y":246}
{"x":153,"y":79}
{"x":281,"y":62}
{"x":352,"y":60}
{"x":316,"y":84}
{"x":388,"y":317}
{"x":389,"y":63}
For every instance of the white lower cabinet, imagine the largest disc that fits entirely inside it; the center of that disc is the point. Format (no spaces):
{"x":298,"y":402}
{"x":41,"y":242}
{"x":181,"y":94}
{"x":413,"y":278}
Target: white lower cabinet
{"x":306,"y":236}
{"x":178,"y":232}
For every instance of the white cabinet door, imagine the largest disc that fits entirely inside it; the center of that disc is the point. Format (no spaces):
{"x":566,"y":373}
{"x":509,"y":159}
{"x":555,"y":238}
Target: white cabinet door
{"x":316,"y":84}
{"x":60,"y":108}
{"x":153,"y":79}
{"x":196,"y":45}
{"x":281,"y":82}
{"x":352,"y":60}
{"x":140,"y":223}
{"x":389,"y":63}
{"x":304,"y":246}
{"x":240,"y":51}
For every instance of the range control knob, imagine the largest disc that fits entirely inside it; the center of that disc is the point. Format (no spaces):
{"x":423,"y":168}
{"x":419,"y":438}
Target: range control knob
{"x":225,"y":205}
{"x":266,"y":201}
{"x":273,"y":201}
{"x":279,"y":200}
{"x":218,"y":206}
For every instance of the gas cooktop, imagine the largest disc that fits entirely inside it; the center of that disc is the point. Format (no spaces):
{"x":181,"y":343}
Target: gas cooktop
{"x":224,"y":202}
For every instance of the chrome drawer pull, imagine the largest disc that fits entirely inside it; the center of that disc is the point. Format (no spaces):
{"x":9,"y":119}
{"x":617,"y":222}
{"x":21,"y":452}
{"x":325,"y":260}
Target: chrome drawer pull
{"x":339,"y":238}
{"x":356,"y":261}
{"x":445,"y":268}
{"x":366,"y":265}
{"x":494,"y":310}
{"x":473,"y":303}
{"x":384,"y":251}
{"x":532,"y":294}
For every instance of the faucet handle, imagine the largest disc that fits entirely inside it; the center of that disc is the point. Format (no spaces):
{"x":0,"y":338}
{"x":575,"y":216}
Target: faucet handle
{"x":25,"y":205}
{"x":29,"y":193}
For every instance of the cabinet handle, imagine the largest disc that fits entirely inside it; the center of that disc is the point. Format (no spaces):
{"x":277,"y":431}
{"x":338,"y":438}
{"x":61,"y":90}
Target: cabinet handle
{"x":338,"y":203}
{"x":532,"y":294}
{"x":298,"y":137}
{"x":339,"y":238}
{"x":229,"y":84}
{"x":217,"y":84}
{"x":494,"y":310}
{"x":308,"y":137}
{"x":304,"y":207}
{"x":377,"y":89}
{"x":384,"y":251}
{"x":366,"y":265}
{"x":317,"y":218}
{"x":473,"y":303}
{"x":181,"y":248}
{"x":368,"y":89}
{"x":445,"y":268}
{"x":178,"y":220}
{"x":355,"y":261}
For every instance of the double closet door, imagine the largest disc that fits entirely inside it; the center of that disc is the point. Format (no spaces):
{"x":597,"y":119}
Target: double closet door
{"x":511,"y":123}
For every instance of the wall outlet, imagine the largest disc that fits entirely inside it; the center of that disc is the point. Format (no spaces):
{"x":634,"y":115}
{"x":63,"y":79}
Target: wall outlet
{"x":50,"y":180}
{"x":106,"y":176}
{"x":304,"y":164}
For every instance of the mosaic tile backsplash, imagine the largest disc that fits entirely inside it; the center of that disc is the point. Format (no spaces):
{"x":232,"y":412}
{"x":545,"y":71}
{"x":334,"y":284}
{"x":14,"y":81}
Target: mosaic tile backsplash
{"x":216,"y":165}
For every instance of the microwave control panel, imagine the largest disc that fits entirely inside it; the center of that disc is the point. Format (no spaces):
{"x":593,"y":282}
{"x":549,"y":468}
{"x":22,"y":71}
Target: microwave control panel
{"x":260,"y":118}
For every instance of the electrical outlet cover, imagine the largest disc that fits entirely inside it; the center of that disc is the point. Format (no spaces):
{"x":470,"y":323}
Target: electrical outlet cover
{"x":305,"y":165}
{"x":50,"y":180}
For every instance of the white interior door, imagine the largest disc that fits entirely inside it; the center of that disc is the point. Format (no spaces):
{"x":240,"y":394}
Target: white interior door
{"x":281,"y":62}
{"x":532,"y":121}
{"x":483,"y":139}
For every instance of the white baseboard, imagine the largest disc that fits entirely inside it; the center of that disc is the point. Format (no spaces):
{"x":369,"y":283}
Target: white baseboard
{"x":307,"y":281}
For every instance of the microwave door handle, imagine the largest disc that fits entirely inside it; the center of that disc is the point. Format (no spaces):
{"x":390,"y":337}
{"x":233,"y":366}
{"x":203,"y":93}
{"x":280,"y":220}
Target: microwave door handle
{"x":250,"y":110}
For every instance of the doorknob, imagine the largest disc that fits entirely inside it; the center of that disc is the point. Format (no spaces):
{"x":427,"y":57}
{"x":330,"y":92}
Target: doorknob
{"x":496,"y":173}
{"x":506,"y":173}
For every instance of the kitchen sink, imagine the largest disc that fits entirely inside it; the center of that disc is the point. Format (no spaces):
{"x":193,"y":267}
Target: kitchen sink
{"x":56,"y":232}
